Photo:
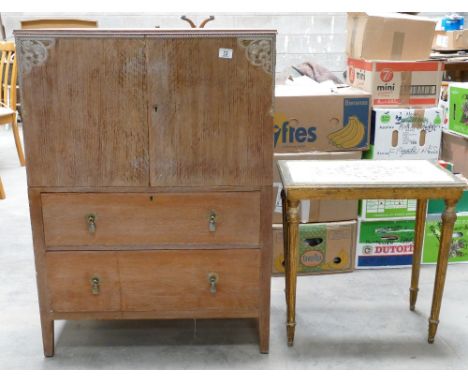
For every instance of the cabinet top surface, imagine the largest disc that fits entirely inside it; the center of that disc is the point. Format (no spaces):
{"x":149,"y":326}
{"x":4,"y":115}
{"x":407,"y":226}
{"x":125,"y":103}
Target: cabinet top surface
{"x":365,"y":173}
{"x":182,"y":32}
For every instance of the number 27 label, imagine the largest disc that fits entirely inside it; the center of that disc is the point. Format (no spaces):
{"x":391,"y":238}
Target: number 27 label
{"x":225,"y":53}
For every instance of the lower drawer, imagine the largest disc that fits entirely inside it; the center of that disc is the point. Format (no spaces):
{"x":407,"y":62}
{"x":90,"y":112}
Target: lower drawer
{"x":176,"y":280}
{"x":168,"y":281}
{"x":83,"y":281}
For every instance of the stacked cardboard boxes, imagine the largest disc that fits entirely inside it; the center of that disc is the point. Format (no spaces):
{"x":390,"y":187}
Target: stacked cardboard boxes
{"x":454,"y":149}
{"x":459,"y":248}
{"x":454,"y":101}
{"x":310,"y":124}
{"x":389,"y":57}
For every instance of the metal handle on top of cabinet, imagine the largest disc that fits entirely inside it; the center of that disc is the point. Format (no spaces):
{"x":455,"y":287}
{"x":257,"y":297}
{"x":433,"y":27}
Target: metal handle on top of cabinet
{"x":213,"y":280}
{"x":91,"y":220}
{"x":95,"y":285}
{"x":212,"y":221}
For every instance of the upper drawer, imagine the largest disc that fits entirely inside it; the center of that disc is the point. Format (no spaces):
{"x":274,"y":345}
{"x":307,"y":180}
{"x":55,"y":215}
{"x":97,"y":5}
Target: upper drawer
{"x":150,"y":220}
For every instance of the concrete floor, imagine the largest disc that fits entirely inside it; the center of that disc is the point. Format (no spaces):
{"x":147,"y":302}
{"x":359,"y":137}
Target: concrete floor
{"x":359,"y":320}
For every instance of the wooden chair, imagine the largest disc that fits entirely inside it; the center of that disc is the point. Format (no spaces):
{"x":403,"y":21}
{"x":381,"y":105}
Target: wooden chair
{"x":58,"y":23}
{"x":8,"y":76}
{"x":2,"y":191}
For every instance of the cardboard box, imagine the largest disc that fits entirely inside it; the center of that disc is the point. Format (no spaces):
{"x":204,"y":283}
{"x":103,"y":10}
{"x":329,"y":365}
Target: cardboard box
{"x":315,"y":211}
{"x":401,"y":134}
{"x":450,"y":40}
{"x":458,"y":108}
{"x":443,"y":103}
{"x":389,"y":36}
{"x":459,"y":248}
{"x":455,"y":150}
{"x":385,"y":243}
{"x":437,"y":206}
{"x":387,"y":209}
{"x":405,"y":134}
{"x":398,"y":83}
{"x":307,"y":119}
{"x":323,"y":248}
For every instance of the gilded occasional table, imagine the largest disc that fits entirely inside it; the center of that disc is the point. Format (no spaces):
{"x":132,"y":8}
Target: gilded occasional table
{"x":372,"y":179}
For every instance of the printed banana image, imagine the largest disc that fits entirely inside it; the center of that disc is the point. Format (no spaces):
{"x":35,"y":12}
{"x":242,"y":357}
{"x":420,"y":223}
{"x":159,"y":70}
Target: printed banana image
{"x":350,"y":135}
{"x":341,"y":261}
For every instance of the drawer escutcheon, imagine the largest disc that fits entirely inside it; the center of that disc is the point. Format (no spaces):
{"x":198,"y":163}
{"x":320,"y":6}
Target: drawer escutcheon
{"x":91,"y":220}
{"x":213,"y":280}
{"x":95,"y":285}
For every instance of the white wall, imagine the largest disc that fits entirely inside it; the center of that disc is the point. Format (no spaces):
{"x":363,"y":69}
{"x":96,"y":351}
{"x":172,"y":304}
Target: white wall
{"x":318,"y":37}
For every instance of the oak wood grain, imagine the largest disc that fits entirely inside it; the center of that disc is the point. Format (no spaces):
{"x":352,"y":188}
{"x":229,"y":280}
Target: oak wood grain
{"x":150,"y":131}
{"x":226,"y":312}
{"x":151,"y":219}
{"x":85,"y":114}
{"x":168,"y":281}
{"x":213,"y":120}
{"x":265,"y":269}
{"x":69,"y":281}
{"x":47,"y":323}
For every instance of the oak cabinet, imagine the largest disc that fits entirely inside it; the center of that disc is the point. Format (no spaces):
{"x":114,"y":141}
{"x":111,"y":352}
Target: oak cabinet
{"x":149,"y":166}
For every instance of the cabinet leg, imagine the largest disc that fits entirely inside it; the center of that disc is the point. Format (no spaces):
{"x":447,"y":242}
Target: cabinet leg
{"x":291,"y":267}
{"x":48,"y":337}
{"x":418,"y":242}
{"x":264,"y":334}
{"x":448,"y":220}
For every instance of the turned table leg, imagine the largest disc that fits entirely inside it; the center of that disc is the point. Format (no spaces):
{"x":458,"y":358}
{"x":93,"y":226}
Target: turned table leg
{"x":291,"y":266}
{"x":418,"y":243}
{"x":448,"y":220}
{"x":284,"y":204}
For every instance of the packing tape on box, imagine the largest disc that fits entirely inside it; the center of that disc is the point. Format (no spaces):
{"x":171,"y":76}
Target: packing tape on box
{"x":405,"y":87}
{"x":418,"y":119}
{"x":397,"y":45}
{"x":353,"y":36}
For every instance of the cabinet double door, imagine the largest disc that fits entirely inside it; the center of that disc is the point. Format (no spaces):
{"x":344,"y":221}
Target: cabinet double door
{"x":149,"y":111}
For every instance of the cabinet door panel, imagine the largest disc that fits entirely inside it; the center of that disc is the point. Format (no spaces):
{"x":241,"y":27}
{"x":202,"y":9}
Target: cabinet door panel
{"x":85,"y":113}
{"x":210,"y":117}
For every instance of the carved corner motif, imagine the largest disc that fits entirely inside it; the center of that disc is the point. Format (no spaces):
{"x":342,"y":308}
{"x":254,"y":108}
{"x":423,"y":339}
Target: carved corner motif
{"x":33,"y":53}
{"x":259,"y":53}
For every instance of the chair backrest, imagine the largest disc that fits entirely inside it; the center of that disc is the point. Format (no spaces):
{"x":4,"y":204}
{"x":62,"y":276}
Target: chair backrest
{"x":58,"y":23}
{"x":8,"y":74}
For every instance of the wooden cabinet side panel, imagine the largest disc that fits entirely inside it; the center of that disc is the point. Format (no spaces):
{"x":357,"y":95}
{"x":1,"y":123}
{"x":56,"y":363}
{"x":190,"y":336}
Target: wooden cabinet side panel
{"x":211,"y":120}
{"x":47,"y":326}
{"x":85,"y":113}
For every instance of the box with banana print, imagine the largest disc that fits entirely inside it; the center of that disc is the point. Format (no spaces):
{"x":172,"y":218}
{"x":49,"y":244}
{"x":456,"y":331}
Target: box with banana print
{"x":310,"y":119}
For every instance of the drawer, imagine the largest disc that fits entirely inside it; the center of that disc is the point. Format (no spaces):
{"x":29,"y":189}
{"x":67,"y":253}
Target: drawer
{"x":150,"y":220}
{"x":179,"y":281}
{"x":83,"y":281}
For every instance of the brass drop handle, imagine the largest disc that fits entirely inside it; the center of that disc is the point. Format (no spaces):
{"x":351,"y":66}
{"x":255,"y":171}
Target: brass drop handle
{"x":212,"y":222}
{"x":95,"y":285}
{"x":91,"y":221}
{"x":213,"y":280}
